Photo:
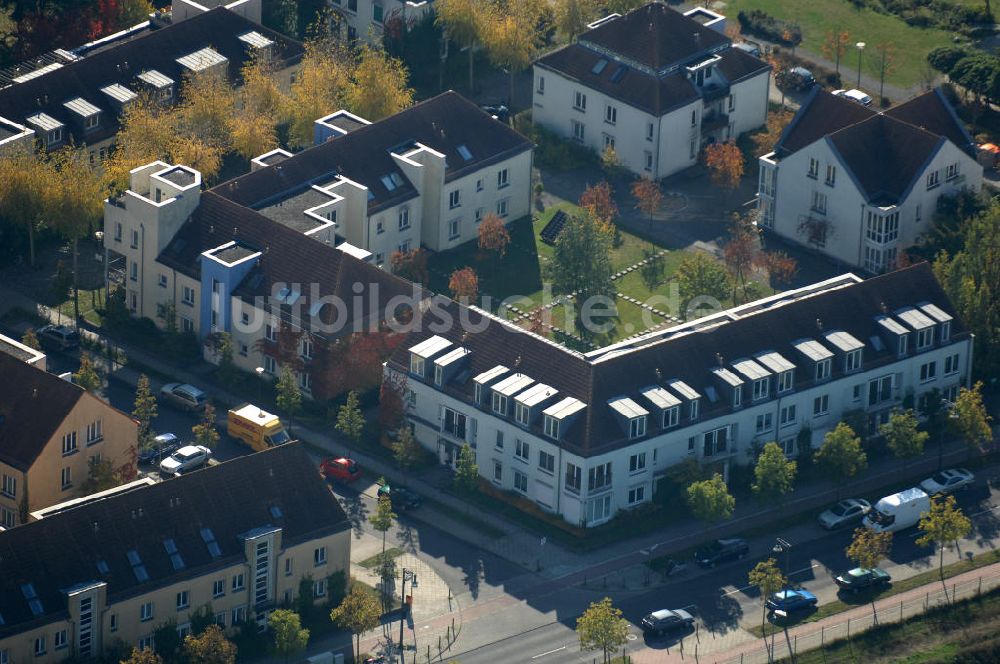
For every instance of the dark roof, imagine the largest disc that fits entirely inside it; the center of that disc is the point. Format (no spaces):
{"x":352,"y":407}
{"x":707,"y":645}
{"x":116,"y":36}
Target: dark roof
{"x":443,"y":123}
{"x":232,"y":498}
{"x":654,"y":35}
{"x":688,"y":357}
{"x":821,"y":114}
{"x":932,"y":112}
{"x":156,"y":49}
{"x":885,"y":155}
{"x":33,"y":404}
{"x":288,"y":257}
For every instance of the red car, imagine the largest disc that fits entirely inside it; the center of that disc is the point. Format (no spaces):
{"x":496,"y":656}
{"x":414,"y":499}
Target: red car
{"x":341,"y":469}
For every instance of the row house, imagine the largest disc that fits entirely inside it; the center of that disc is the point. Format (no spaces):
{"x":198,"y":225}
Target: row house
{"x":79,"y":96}
{"x":587,"y":435}
{"x":859,"y":185}
{"x":50,"y":433}
{"x":655,"y":85}
{"x":236,"y":539}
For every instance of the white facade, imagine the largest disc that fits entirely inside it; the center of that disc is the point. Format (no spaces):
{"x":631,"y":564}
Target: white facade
{"x":803,"y":200}
{"x":368,"y":19}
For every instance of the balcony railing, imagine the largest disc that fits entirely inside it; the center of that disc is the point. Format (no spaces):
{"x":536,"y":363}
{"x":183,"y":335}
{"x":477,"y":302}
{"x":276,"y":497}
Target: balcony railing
{"x":714,"y":120}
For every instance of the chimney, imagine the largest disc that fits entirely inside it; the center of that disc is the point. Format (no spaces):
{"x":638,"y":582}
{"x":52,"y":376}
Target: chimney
{"x":721,"y":360}
{"x":659,"y":374}
{"x":819,"y":324}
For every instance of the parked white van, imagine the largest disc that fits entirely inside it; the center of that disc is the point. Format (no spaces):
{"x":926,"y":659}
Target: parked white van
{"x":898,"y":511}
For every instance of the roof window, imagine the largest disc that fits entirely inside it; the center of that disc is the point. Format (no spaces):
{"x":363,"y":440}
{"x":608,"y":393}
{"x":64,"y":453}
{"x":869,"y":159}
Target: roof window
{"x":464,"y":151}
{"x":599,"y":66}
{"x":208,"y":537}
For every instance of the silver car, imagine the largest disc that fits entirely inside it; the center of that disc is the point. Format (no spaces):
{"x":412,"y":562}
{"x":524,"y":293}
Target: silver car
{"x":947,"y":481}
{"x":185,"y":459}
{"x":183,"y":395}
{"x":846,"y":512}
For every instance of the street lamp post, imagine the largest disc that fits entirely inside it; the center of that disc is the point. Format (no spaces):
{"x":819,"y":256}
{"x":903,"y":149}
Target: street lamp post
{"x":408,"y":575}
{"x":260,"y":385}
{"x":861,"y":47}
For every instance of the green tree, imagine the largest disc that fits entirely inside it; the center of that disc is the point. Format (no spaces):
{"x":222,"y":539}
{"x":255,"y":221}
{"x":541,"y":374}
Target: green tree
{"x":350,"y":420}
{"x":710,"y":499}
{"x":971,"y":419}
{"x":227,"y":368}
{"x":466,"y":478}
{"x":774,"y":474}
{"x":602,"y":627}
{"x":944,"y":58}
{"x":358,"y":613}
{"x":841,"y":454}
{"x":378,"y":86}
{"x":287,"y":394}
{"x":867,"y":549}
{"x":289,"y":635}
{"x":209,"y":647}
{"x":382,"y":521}
{"x":282,"y":16}
{"x":144,"y":411}
{"x":87,"y":376}
{"x":700,"y":276}
{"x":572,"y":16}
{"x":902,"y":435}
{"x":147,"y":656}
{"x":30,"y":339}
{"x":768,"y":578}
{"x":205,"y":432}
{"x":510,"y":37}
{"x":462,"y":21}
{"x":25,"y":193}
{"x":168,"y":641}
{"x":406,"y":450}
{"x":944,"y":524}
{"x":582,"y":257}
{"x":101,"y":475}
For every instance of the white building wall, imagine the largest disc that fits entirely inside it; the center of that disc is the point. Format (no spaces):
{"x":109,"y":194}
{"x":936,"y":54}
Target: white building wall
{"x":748,"y":110}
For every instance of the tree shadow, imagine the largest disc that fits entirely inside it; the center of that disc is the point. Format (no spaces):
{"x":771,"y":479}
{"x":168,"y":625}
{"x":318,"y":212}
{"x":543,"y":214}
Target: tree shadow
{"x":357,"y":513}
{"x":722,"y":615}
{"x":406,"y":537}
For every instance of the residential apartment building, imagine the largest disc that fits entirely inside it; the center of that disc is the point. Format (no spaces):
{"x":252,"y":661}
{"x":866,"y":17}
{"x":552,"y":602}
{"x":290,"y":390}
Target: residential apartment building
{"x":424,"y":177}
{"x":26,"y":354}
{"x":50,"y":430}
{"x":656,"y":85}
{"x":587,"y":435}
{"x":371,"y":19}
{"x":79,"y":96}
{"x":860,"y":185}
{"x":217,"y":266}
{"x":236,"y":539}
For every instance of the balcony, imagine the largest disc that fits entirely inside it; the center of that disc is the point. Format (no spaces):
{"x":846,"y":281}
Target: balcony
{"x":714,"y":120}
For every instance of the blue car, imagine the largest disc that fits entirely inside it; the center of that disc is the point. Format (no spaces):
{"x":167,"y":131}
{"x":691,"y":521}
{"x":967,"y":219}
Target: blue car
{"x":791,"y":600}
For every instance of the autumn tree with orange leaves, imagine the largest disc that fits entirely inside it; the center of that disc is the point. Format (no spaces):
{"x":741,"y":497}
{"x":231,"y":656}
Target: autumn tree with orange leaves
{"x":464,"y":284}
{"x":835,"y":46}
{"x":743,"y":254}
{"x":411,"y":265}
{"x":599,"y":201}
{"x":725,"y":164}
{"x":351,"y":363}
{"x":648,"y":197}
{"x":392,"y":402}
{"x":493,"y":235}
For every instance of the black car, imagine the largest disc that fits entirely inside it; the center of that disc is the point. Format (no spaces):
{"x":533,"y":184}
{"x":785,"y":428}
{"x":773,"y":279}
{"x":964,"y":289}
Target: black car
{"x":499,"y":111}
{"x":402,"y":499}
{"x":163,"y":446}
{"x":721,"y":551}
{"x":666,"y":620}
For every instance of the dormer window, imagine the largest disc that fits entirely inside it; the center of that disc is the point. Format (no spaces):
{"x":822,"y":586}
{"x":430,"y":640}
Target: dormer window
{"x":637,"y":427}
{"x":551,"y":427}
{"x":478,"y":394}
{"x":438,"y":375}
{"x":925,"y":338}
{"x":521,"y":414}
{"x":786,"y":381}
{"x":852,"y":361}
{"x":737,"y":396}
{"x":694,"y":409}
{"x":416,"y":365}
{"x":901,"y":349}
{"x":823,"y":368}
{"x":54,"y":136}
{"x":760,"y":389}
{"x":945,"y":331}
{"x":671,"y":416}
{"x":499,"y":404}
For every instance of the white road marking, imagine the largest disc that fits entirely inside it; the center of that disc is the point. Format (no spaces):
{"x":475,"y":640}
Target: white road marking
{"x":543,"y":654}
{"x":798,"y":571}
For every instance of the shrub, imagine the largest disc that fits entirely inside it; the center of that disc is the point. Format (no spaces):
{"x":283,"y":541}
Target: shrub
{"x":762,"y":24}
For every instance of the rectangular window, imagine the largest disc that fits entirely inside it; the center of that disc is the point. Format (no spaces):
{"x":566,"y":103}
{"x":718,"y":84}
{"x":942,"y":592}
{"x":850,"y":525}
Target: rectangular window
{"x":671,"y":416}
{"x":454,"y":199}
{"x":95,"y":432}
{"x":59,"y":639}
{"x":649,"y":131}
{"x":577,"y":130}
{"x":951,"y":364}
{"x":219,"y":588}
{"x":135,"y":239}
{"x":307,"y":349}
{"x":118,"y":232}
{"x":731,"y":105}
{"x":134,"y":271}
{"x":220,"y":618}
{"x":499,"y":404}
{"x":831,"y":174}
{"x":305,"y":382}
{"x":902,"y":345}
{"x":763,"y":423}
{"x":69,"y":443}
{"x":522,"y":450}
{"x":647,"y":160}
{"x":270,"y":366}
{"x":416,"y":365}
{"x":319,"y":556}
{"x":502,"y":179}
{"x":760,"y":389}
{"x":694,"y":409}
{"x":821,"y":405}
{"x":573,"y":478}
{"x":438,"y":374}
{"x":183,"y":601}
{"x":610,"y":114}
{"x":933,"y":180}
{"x":818,"y":203}
{"x":454,"y":229}
{"x":39,"y":646}
{"x":163,"y":281}
{"x":144,"y":643}
{"x":715,"y":442}
{"x":239,"y":582}
{"x":146,"y":612}
{"x":880,"y":390}
{"x":694,"y":117}
{"x":379,"y":227}
{"x":288,"y":566}
{"x":67,"y":478}
{"x":319,"y":588}
{"x":637,"y":427}
{"x":882,"y":229}
{"x":636,"y":495}
{"x":551,"y":426}
{"x":852,"y":361}
{"x":785,"y":381}
{"x":479,"y":214}
{"x":951,"y":171}
{"x":546,"y":462}
{"x":404,"y":218}
{"x":599,"y":477}
{"x":787,"y":415}
{"x":540,"y":87}
{"x":497,"y":472}
{"x":737,"y":396}
{"x":239,"y":615}
{"x":579,"y":101}
{"x":6,"y":520}
{"x":187,"y":295}
{"x":499,"y":442}
{"x":823,"y":369}
{"x":637,"y":462}
{"x":928,"y":371}
{"x":521,"y":413}
{"x":813,"y":168}
{"x":377,"y":13}
{"x":502,"y":208}
{"x":925,"y":338}
{"x":114,"y":623}
{"x":520,"y":481}
{"x":693,"y":149}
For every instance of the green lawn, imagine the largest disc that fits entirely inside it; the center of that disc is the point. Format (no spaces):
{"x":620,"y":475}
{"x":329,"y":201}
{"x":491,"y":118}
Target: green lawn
{"x":372,"y":562}
{"x":818,"y":18}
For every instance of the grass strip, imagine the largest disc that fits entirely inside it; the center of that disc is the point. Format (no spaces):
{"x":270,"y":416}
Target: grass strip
{"x":372,"y":562}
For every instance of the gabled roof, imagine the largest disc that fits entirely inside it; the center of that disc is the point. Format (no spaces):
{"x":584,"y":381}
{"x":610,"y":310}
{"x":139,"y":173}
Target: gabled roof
{"x":33,"y":405}
{"x":654,"y":35}
{"x":156,"y":48}
{"x":849,"y":305}
{"x":932,"y":112}
{"x":219,"y":503}
{"x":822,"y":113}
{"x":288,"y":258}
{"x":442,"y":123}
